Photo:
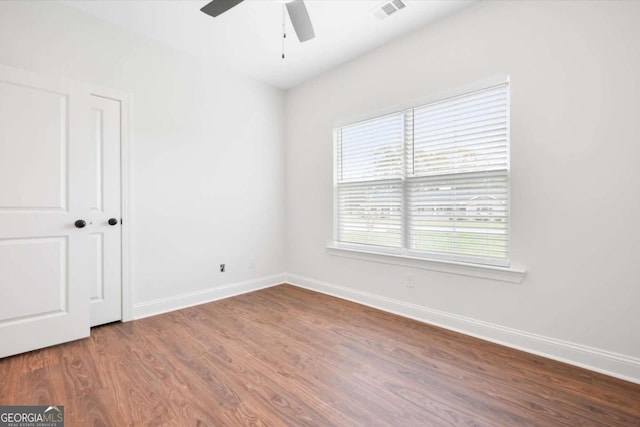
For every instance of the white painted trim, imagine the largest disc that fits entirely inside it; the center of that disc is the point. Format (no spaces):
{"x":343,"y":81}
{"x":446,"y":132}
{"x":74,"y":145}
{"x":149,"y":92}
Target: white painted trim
{"x":164,"y":305}
{"x":127,"y":210}
{"x":126,"y":194}
{"x":504,"y":274}
{"x":606,"y":362}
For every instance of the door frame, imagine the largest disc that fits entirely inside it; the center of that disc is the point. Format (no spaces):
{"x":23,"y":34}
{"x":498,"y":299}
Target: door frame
{"x":126,"y":194}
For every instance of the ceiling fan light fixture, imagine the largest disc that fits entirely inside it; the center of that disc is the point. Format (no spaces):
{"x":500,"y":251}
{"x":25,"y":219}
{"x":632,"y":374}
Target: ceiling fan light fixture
{"x":295,"y":8}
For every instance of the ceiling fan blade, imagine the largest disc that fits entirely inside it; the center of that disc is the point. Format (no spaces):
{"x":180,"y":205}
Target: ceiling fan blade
{"x":217,"y":7}
{"x":300,"y":20}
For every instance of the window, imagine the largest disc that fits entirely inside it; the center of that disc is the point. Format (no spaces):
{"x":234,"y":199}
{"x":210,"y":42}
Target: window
{"x":430,"y":181}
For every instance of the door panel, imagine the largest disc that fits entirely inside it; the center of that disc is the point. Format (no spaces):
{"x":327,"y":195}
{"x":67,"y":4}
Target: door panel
{"x":96,"y":292}
{"x":48,"y":292}
{"x":39,"y":180}
{"x":105,"y":288}
{"x":44,"y":174}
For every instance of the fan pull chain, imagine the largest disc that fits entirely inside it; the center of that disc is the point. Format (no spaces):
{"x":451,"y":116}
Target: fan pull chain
{"x":284,"y":30}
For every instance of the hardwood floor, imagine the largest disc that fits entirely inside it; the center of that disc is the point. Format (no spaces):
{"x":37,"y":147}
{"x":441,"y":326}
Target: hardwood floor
{"x":288,"y":356}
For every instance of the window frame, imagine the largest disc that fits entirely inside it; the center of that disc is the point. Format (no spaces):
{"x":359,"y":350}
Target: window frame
{"x":405,"y":252}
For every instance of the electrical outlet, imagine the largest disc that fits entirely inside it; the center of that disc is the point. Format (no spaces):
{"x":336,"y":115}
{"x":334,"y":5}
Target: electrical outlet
{"x":222,"y":267}
{"x":252,"y":264}
{"x":410,"y":280}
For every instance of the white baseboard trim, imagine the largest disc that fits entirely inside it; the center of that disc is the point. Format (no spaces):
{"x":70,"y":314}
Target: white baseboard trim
{"x":164,"y":305}
{"x":605,"y":362}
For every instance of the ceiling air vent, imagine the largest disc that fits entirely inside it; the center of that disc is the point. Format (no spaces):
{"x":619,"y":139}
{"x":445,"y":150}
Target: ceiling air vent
{"x":388,"y":8}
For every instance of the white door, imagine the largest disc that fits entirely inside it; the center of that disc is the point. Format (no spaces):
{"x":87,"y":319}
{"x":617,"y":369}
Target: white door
{"x":45,"y":187}
{"x":105,"y":213}
{"x":60,"y":214}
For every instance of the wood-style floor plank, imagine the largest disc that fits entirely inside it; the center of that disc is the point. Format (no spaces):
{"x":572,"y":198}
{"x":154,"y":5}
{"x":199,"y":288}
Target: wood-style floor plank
{"x":288,"y":356}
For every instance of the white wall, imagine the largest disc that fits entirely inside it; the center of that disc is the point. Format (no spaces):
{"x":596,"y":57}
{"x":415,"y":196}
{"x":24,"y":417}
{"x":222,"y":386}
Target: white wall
{"x":575,"y":85}
{"x":208,"y":151}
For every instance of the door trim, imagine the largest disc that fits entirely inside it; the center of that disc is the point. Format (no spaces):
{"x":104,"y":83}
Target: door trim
{"x":126,"y":193}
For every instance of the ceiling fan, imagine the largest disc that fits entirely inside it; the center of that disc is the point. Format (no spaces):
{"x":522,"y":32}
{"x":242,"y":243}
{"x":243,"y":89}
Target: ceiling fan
{"x":296,"y":9}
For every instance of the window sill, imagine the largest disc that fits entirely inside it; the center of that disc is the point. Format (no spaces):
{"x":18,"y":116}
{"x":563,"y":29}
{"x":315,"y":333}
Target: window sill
{"x":511,"y":275}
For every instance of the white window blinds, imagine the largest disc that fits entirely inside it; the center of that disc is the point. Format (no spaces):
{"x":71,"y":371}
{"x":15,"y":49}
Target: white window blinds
{"x":432,"y":180}
{"x":369,"y":182}
{"x":457,"y":191}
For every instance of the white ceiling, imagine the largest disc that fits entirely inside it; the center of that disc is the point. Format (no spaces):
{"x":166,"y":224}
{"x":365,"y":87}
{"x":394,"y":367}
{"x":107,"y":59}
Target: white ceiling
{"x":248,"y":38}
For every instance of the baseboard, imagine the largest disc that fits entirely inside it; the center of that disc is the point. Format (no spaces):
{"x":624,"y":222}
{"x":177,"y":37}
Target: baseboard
{"x":605,"y":362}
{"x":164,"y":305}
